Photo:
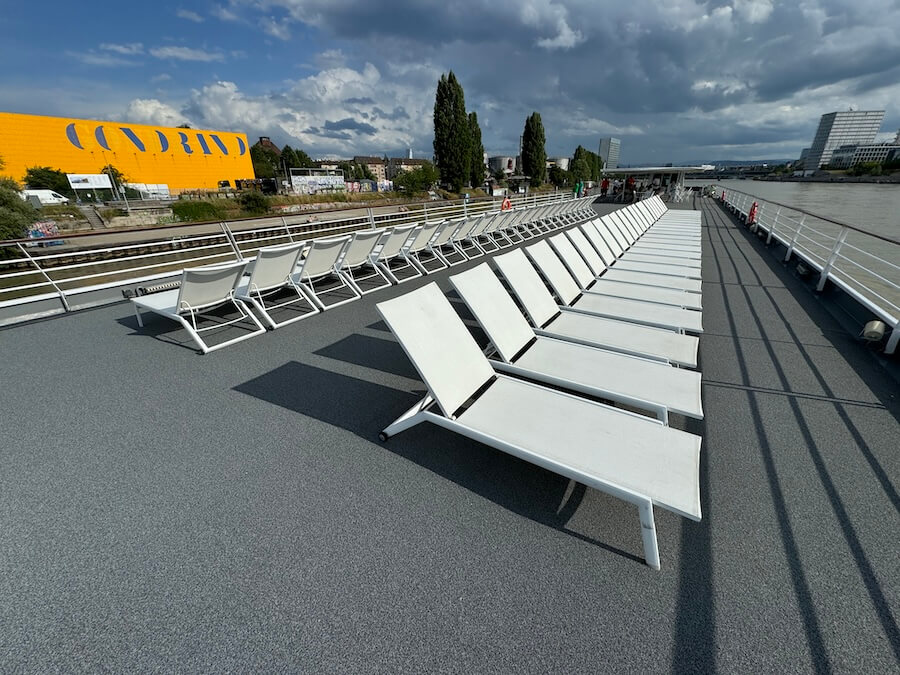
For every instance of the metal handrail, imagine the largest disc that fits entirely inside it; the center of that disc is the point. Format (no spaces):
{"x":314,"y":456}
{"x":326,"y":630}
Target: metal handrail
{"x":37,"y":276}
{"x":868,"y":286}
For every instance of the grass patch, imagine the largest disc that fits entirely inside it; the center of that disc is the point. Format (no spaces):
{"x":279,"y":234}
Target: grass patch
{"x":198,"y":211}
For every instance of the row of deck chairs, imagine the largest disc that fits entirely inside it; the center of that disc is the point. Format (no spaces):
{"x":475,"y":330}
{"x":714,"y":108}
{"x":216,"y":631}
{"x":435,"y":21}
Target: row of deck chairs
{"x":287,"y":283}
{"x":584,"y":389}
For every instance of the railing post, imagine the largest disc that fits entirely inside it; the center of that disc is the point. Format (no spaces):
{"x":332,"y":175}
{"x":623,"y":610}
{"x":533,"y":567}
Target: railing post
{"x":790,"y":248}
{"x":831,"y":258}
{"x":287,"y":230}
{"x":371,"y":216}
{"x":774,"y":225}
{"x":62,"y":295}
{"x":425,"y":211}
{"x":232,"y":241}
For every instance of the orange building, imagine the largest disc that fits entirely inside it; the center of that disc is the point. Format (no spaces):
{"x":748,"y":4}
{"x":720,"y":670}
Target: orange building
{"x":183,"y":159}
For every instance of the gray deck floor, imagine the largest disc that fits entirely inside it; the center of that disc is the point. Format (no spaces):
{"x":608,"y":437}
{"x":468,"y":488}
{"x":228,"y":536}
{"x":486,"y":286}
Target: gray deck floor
{"x":169,"y":511}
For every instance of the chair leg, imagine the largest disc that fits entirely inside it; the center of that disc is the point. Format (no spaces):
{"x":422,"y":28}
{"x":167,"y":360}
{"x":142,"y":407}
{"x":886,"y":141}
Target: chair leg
{"x":648,"y":532}
{"x":137,"y":314}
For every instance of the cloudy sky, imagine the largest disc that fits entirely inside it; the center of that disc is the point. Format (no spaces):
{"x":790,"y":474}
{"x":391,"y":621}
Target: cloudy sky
{"x":680,"y":80}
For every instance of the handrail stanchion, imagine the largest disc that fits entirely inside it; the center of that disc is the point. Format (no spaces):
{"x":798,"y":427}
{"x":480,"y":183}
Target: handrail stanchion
{"x":371,"y":215}
{"x":62,"y":295}
{"x":232,"y":241}
{"x":774,"y":225}
{"x":790,"y":248}
{"x":831,"y":258}
{"x":287,"y":230}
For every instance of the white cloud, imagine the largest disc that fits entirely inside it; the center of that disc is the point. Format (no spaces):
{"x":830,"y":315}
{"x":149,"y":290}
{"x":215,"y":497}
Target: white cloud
{"x":130,"y":49}
{"x":92,"y":58}
{"x":331,"y":58}
{"x":186,"y":54}
{"x":155,"y":112}
{"x":275,"y":28}
{"x":162,"y":77}
{"x":224,"y":14}
{"x":753,"y":11}
{"x":189,"y":15}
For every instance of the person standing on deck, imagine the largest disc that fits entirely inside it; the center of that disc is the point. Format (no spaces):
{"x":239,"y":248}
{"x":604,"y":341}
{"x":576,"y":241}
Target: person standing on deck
{"x":604,"y":187}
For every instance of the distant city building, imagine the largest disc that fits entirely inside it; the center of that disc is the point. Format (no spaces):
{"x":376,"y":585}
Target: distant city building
{"x":852,"y":127}
{"x":561,"y":162}
{"x":376,"y":165}
{"x":266,"y":143}
{"x":502,"y":163}
{"x":397,"y":165}
{"x":804,"y":153}
{"x":849,"y":155}
{"x":609,"y":152}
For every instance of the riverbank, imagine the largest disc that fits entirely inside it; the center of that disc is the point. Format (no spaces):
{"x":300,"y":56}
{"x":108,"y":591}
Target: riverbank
{"x":892,"y":179}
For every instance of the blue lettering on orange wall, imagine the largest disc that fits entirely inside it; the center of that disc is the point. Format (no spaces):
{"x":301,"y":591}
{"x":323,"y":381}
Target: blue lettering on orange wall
{"x":241,"y":145}
{"x":138,"y":143}
{"x":100,"y":135}
{"x":203,"y":144}
{"x":163,"y":141}
{"x":218,"y":141}
{"x":184,"y":143}
{"x":72,"y":135}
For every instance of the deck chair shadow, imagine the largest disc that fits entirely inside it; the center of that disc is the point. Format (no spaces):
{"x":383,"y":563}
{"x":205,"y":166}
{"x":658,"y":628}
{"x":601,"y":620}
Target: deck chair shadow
{"x":629,"y":456}
{"x":270,"y":278}
{"x":389,"y":259}
{"x":320,"y":264}
{"x":201,"y":290}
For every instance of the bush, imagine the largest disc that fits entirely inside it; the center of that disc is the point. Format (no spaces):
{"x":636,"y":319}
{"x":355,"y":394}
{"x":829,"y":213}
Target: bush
{"x":254,"y":203}
{"x":197,"y":211}
{"x":15,"y":214}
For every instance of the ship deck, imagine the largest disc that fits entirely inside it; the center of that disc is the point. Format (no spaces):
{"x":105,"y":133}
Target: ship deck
{"x":163,"y":510}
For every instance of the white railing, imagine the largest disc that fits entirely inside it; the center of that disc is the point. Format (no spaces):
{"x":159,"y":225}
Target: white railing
{"x":34,"y":271}
{"x":864,"y":264}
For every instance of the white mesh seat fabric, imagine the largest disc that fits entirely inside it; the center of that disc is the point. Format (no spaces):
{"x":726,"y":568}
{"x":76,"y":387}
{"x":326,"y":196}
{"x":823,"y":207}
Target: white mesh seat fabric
{"x":271,"y":275}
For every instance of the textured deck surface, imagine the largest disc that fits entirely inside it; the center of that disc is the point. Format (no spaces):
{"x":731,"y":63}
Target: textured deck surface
{"x":165,"y":510}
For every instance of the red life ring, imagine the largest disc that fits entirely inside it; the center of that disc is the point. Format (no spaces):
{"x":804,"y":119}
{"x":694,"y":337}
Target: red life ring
{"x":751,"y":217}
{"x":506,"y":205}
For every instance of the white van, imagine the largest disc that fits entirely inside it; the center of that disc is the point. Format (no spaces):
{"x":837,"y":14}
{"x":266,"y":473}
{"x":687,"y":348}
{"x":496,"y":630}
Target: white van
{"x":47,"y":197}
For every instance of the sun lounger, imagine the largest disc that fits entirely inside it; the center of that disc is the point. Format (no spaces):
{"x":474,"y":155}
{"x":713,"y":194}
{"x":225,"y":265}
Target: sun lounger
{"x":321,"y":263}
{"x":417,"y":251}
{"x":388,"y":254}
{"x":270,"y":278}
{"x":612,"y":254}
{"x":358,"y":266}
{"x":202,"y":289}
{"x":567,"y":290}
{"x":642,"y":383}
{"x":622,"y":454}
{"x":554,"y":320}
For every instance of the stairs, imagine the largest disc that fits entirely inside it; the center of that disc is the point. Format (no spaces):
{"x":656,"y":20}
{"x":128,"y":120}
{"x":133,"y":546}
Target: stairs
{"x":91,"y":215}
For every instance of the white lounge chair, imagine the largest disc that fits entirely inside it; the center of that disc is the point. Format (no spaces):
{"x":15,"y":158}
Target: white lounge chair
{"x":201,"y":290}
{"x":388,"y":254}
{"x":321,"y":263}
{"x":629,"y":456}
{"x":272,"y":276}
{"x":634,"y":311}
{"x":417,"y":251}
{"x":562,"y":322}
{"x":643,"y":383}
{"x":358,"y":266}
{"x":599,"y":284}
{"x":613,"y":254}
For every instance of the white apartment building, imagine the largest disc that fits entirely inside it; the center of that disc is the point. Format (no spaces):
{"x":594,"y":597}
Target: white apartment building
{"x":836,"y":129}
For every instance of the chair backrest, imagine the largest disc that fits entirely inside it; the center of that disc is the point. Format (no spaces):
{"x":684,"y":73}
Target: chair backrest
{"x":593,"y":234}
{"x":322,"y":256}
{"x":528,"y":286}
{"x":439,"y":345}
{"x":572,"y":260}
{"x":445,"y":232}
{"x":360,"y":248}
{"x":555,"y":272}
{"x":658,"y":205}
{"x":615,"y":230}
{"x":394,"y":240}
{"x":634,"y":224}
{"x":626,"y":227}
{"x":424,"y":235}
{"x":504,"y":324}
{"x":643,"y":213}
{"x":274,"y":266}
{"x":466,"y":228}
{"x":208,"y":285}
{"x":590,"y":255}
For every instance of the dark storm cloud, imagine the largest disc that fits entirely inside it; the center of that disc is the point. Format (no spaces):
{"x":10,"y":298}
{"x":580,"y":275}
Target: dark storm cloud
{"x":348,"y":124}
{"x":719,"y":73}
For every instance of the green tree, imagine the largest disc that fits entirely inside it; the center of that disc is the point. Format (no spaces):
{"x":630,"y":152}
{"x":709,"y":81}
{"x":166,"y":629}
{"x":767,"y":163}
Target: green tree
{"x":266,"y":163}
{"x":419,"y":179}
{"x":15,"y":216}
{"x":45,"y":178}
{"x":559,"y":177}
{"x":581,"y":170}
{"x":294,"y":159}
{"x":534,"y":156}
{"x":477,"y":151}
{"x":452,"y":139}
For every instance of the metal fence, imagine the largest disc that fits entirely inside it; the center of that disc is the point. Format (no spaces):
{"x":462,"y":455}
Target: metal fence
{"x":48,"y":276}
{"x":864,"y":264}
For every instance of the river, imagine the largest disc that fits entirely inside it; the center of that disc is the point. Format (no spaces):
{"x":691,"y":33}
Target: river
{"x":872,"y":207}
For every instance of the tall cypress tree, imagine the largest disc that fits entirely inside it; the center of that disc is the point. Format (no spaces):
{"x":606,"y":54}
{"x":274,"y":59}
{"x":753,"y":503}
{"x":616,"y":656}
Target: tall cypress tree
{"x":534,"y":156}
{"x":452,"y":145}
{"x":477,"y":151}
